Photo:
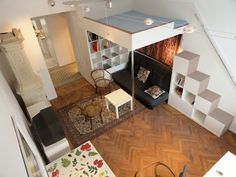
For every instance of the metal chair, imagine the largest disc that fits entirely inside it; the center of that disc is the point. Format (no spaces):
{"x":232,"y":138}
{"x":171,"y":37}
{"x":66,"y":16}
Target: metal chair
{"x":102,"y":80}
{"x":158,"y":169}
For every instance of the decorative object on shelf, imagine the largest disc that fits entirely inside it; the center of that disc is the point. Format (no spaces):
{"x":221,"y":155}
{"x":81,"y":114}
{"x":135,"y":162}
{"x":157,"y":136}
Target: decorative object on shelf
{"x":28,"y":85}
{"x":95,"y":46}
{"x":106,"y":44}
{"x":179,"y":91}
{"x":104,"y":57}
{"x":180,"y":80}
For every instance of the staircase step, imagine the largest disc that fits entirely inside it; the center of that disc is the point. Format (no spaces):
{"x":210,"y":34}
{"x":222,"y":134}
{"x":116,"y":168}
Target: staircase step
{"x":185,"y":62}
{"x":207,"y":101}
{"x":218,"y":121}
{"x":196,"y":82}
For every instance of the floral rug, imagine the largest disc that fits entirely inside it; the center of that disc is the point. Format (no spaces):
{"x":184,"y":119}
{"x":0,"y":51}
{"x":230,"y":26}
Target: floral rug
{"x":78,"y":129}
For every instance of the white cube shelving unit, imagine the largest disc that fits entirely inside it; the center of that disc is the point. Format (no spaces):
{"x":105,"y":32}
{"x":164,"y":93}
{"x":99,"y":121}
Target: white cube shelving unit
{"x":207,"y":101}
{"x":105,"y":54}
{"x":189,"y":94}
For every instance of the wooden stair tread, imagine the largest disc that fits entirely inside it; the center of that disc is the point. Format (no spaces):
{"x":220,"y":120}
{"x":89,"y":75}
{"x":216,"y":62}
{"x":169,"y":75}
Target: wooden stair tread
{"x":199,"y":76}
{"x":222,"y":116}
{"x":188,"y":55}
{"x":209,"y":95}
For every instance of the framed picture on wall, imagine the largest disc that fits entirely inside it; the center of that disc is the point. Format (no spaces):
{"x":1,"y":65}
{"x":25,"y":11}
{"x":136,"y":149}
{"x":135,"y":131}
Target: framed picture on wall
{"x":31,"y":164}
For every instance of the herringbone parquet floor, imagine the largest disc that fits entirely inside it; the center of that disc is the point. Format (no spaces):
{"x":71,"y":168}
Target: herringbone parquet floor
{"x":162,"y":134}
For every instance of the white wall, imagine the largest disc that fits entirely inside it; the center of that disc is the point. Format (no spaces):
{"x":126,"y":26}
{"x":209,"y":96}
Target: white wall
{"x":219,"y":24}
{"x":12,"y":163}
{"x":17,"y":14}
{"x":197,"y":42}
{"x":59,"y":33}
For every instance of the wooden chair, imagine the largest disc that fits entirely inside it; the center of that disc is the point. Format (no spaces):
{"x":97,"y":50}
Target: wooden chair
{"x":158,"y":169}
{"x":102,"y":80}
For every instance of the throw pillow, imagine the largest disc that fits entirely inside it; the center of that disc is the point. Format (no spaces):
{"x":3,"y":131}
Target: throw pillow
{"x":143,"y":74}
{"x":154,"y":91}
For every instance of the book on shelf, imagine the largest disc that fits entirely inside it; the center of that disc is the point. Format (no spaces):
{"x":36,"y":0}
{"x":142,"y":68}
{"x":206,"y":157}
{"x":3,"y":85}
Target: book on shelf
{"x":114,"y":54}
{"x":104,"y":57}
{"x":180,"y":80}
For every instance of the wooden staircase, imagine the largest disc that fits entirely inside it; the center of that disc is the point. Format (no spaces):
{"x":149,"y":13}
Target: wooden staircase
{"x":189,"y":95}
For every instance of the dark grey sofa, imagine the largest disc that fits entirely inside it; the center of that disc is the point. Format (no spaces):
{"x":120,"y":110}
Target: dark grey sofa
{"x":160,"y":75}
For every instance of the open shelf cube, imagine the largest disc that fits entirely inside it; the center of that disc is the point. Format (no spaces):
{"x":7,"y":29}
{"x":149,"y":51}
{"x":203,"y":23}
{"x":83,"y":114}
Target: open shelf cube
{"x":123,"y":50}
{"x":189,"y":97}
{"x":178,"y":91}
{"x":116,"y":61}
{"x":179,"y":80}
{"x":124,"y":58}
{"x":97,"y":66}
{"x":199,"y":116}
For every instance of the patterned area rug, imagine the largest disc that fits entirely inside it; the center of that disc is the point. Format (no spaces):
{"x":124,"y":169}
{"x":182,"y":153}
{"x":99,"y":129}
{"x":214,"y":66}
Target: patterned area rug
{"x":78,"y":129}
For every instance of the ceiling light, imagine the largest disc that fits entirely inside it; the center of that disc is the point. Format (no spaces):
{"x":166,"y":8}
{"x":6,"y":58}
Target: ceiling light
{"x":189,"y":29}
{"x":148,"y":21}
{"x":87,"y":9}
{"x":51,"y":3}
{"x":108,"y":4}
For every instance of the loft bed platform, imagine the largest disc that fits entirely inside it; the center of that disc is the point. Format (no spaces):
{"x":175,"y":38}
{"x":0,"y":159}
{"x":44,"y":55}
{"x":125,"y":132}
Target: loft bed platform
{"x":129,"y":30}
{"x":133,"y":21}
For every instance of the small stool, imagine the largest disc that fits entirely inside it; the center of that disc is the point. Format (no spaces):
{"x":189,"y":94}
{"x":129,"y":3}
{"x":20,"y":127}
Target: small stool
{"x":92,"y":110}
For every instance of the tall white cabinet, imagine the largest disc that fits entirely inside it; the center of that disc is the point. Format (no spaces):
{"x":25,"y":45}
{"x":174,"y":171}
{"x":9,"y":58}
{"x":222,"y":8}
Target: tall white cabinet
{"x":105,"y":54}
{"x":189,"y":94}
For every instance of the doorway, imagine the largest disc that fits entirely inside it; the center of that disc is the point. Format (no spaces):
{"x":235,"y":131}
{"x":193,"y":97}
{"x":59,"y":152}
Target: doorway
{"x":53,"y":34}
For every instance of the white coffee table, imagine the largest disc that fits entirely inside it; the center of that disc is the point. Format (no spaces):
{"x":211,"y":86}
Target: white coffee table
{"x":118,"y":98}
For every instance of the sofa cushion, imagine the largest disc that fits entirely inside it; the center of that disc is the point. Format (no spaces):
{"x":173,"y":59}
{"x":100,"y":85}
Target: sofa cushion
{"x":143,"y":74}
{"x":154,"y":91}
